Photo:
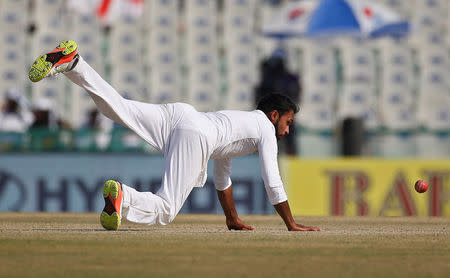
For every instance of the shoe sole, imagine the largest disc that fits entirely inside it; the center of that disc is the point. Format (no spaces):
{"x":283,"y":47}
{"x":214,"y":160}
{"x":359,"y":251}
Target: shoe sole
{"x":41,"y":66}
{"x":110,"y":222}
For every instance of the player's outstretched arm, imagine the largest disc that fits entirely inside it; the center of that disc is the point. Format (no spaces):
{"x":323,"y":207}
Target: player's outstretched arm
{"x":284,"y":211}
{"x":232,"y":219}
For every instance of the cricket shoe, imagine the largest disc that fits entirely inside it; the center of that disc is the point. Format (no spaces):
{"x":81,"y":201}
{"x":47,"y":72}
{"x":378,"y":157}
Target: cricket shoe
{"x":111,"y":214}
{"x":61,"y":59}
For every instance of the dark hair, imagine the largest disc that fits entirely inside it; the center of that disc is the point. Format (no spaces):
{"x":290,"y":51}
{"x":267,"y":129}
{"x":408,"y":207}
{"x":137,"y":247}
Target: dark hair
{"x":278,"y":102}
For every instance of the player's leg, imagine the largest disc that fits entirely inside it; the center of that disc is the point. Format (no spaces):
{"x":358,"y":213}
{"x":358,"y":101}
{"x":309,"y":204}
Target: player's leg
{"x":144,"y":207}
{"x":185,"y":168}
{"x":150,"y":121}
{"x":139,"y":207}
{"x":185,"y":157}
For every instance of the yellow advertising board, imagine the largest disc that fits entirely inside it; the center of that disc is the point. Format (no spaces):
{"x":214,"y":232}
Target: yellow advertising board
{"x":374,"y":187}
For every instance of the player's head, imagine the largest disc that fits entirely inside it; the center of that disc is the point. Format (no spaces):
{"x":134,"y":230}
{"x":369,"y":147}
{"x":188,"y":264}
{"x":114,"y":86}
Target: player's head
{"x":280,"y":110}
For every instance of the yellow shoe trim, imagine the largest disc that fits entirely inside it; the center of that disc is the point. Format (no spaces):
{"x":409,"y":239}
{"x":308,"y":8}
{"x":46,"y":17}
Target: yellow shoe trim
{"x":110,"y":222}
{"x":40,"y":67}
{"x":112,"y":187}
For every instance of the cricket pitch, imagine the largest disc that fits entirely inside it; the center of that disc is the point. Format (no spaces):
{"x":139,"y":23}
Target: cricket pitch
{"x":75,"y":245}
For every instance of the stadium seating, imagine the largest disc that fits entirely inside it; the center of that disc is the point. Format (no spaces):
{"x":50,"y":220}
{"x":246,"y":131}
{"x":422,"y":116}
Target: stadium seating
{"x":240,"y":77}
{"x":358,"y":61}
{"x":13,"y":27}
{"x":316,"y":119}
{"x":319,"y":65}
{"x":316,"y":143}
{"x":162,"y":82}
{"x":208,"y":53}
{"x":434,"y":100}
{"x":126,"y":63}
{"x":85,"y":29}
{"x":398,"y":144}
{"x":433,"y":144}
{"x":50,"y":30}
{"x":202,"y":55}
{"x":400,"y":6}
{"x":357,"y":101}
{"x":80,"y":104}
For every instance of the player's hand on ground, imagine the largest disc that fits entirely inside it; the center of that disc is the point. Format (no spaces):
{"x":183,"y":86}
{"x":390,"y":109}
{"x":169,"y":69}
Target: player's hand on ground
{"x":303,"y":228}
{"x":238,"y":224}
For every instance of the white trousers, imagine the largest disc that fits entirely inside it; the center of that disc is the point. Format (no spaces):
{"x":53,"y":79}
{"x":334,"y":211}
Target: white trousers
{"x":177,"y":130}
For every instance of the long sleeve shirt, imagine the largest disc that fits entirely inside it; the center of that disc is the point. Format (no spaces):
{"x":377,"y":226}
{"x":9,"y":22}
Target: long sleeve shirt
{"x":241,"y":133}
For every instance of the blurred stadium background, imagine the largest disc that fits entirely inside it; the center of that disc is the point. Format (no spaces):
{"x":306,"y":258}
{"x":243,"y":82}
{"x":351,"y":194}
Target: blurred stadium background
{"x":370,"y":99}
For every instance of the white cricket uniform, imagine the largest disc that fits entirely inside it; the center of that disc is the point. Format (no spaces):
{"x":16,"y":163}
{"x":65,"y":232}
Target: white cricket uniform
{"x":188,"y":139}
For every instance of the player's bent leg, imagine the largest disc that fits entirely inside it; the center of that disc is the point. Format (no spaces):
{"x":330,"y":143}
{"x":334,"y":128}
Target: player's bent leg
{"x":112,"y":212}
{"x":149,"y":121}
{"x":61,"y":59}
{"x":145,"y":207}
{"x":185,"y":168}
{"x":152,"y":122}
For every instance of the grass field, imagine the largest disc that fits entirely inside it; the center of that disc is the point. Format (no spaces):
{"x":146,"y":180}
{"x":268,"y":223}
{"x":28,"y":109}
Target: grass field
{"x":75,"y":245}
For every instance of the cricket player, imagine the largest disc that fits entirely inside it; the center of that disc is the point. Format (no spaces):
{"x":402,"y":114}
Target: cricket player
{"x":188,"y":139}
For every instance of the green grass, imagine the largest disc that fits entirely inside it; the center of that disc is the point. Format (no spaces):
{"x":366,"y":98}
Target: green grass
{"x":75,"y":245}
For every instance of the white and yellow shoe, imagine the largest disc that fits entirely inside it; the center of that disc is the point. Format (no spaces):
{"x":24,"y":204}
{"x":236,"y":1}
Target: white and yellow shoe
{"x":112,"y":212}
{"x":61,"y":59}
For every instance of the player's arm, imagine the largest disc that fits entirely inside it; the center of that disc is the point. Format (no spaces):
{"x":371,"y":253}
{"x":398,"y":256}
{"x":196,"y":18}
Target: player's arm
{"x":222,"y":181}
{"x":232,"y":219}
{"x":284,"y":211}
{"x":268,"y":156}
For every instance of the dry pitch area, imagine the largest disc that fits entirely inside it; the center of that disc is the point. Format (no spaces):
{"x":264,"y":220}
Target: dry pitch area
{"x":75,"y":245}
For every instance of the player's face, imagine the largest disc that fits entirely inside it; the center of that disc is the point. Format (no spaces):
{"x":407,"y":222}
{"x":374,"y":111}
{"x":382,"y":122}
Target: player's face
{"x":283,"y":123}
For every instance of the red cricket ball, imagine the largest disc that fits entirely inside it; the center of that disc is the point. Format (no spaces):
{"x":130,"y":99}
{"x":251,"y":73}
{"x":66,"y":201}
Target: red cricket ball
{"x":421,"y":186}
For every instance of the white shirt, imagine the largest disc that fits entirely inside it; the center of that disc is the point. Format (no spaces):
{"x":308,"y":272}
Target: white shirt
{"x":241,"y":133}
